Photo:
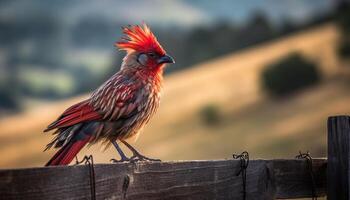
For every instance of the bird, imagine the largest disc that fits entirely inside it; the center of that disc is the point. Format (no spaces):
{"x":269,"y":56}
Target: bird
{"x":120,"y":107}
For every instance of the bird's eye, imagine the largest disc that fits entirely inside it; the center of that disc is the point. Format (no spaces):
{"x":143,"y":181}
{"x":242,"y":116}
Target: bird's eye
{"x":142,"y":59}
{"x":151,"y":55}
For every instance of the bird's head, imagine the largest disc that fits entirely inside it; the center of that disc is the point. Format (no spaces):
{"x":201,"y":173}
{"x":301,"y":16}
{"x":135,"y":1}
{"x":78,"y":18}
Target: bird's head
{"x":143,"y":49}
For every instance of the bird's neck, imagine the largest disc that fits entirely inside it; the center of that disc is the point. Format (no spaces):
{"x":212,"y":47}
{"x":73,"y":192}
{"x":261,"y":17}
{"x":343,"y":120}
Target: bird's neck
{"x":152,"y":76}
{"x":146,"y":76}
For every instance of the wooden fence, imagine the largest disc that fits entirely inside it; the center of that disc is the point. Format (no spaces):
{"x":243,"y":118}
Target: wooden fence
{"x":219,"y":179}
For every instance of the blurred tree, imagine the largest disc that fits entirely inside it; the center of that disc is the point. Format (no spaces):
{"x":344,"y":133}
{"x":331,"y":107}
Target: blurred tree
{"x":85,"y":80}
{"x":114,"y":67}
{"x":29,"y":41}
{"x":175,"y":43}
{"x":343,"y":22}
{"x":94,"y":31}
{"x":344,"y":49}
{"x":35,"y":37}
{"x":210,"y":114}
{"x":257,"y":30}
{"x":289,"y":75}
{"x":9,"y":93}
{"x":9,"y":98}
{"x":8,"y":33}
{"x":343,"y":16}
{"x":199,"y":45}
{"x":287,"y":26}
{"x":203,"y":43}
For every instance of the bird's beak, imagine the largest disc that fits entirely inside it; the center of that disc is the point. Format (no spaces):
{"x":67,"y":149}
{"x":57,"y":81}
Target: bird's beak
{"x":165,"y":59}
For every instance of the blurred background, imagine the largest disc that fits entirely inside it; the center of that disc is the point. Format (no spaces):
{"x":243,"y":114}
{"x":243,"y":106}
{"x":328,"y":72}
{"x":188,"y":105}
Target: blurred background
{"x":261,"y":76}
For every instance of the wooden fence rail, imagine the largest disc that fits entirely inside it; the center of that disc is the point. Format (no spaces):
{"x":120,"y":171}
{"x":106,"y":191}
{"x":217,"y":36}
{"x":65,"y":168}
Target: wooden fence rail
{"x":266,"y":179}
{"x":167,"y":180}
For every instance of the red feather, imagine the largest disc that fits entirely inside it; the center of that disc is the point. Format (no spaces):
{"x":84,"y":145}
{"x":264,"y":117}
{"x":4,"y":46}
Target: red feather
{"x":81,"y":112}
{"x":67,"y":153}
{"x":140,"y":39}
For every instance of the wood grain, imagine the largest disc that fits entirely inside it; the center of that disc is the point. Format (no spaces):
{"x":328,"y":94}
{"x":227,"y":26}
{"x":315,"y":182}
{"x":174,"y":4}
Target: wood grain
{"x":266,"y":179}
{"x":339,"y":157}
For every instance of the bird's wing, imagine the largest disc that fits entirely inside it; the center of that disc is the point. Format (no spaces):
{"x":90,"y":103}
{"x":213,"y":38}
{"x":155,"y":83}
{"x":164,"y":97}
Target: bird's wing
{"x":116,"y":99}
{"x":80,"y":112}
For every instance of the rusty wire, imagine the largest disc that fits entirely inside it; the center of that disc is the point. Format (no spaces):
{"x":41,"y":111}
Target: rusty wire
{"x":88,"y":160}
{"x":244,"y":162}
{"x":308,"y":158}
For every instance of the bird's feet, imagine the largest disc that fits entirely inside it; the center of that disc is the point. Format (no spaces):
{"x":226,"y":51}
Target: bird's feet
{"x":122,"y":159}
{"x":138,"y":157}
{"x":135,"y":158}
{"x":119,"y":161}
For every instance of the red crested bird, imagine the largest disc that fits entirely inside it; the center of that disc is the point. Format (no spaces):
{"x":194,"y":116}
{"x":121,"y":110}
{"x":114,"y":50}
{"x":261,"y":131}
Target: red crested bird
{"x":119,"y":108}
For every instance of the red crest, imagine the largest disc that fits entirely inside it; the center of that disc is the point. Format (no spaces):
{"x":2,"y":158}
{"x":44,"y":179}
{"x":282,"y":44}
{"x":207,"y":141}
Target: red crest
{"x":139,"y":39}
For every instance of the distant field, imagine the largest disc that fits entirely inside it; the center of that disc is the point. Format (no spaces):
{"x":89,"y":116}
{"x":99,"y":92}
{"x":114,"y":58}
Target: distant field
{"x":249,"y":120}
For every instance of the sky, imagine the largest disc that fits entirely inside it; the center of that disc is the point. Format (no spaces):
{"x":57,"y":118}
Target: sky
{"x":296,"y":10}
{"x":171,"y":12}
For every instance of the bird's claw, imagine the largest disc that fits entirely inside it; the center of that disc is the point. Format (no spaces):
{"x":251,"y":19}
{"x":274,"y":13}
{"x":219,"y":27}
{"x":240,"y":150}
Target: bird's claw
{"x":137,"y":158}
{"x":134,"y":159}
{"x":120,"y":161}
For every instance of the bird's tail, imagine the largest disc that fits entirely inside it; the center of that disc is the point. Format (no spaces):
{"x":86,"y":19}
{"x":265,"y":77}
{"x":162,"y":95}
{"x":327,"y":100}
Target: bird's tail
{"x":67,"y":153}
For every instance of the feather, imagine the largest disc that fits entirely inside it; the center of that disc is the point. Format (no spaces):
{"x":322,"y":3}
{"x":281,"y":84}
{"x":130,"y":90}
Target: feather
{"x":66,"y":154}
{"x":140,"y":39}
{"x":82,"y":112}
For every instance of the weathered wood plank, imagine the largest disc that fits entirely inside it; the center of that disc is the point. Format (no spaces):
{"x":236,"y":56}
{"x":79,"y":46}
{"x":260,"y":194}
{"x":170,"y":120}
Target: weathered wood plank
{"x":293,"y":178}
{"x":338,"y":157}
{"x":266,"y":179}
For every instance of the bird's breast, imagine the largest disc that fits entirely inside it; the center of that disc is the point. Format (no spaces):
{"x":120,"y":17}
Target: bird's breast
{"x":147,"y":108}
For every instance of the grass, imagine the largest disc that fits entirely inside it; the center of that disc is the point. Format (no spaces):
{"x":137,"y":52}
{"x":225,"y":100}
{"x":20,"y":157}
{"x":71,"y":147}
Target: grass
{"x":249,"y":120}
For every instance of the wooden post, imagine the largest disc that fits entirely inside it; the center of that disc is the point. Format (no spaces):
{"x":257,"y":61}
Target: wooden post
{"x":338,"y":179}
